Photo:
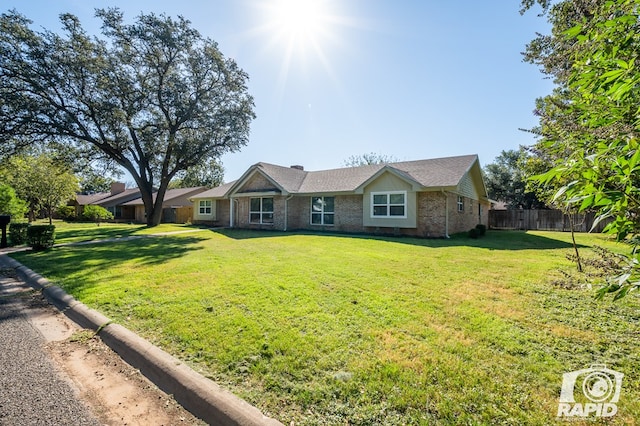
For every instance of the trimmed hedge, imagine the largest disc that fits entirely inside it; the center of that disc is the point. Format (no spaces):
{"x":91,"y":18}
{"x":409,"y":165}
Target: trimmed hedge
{"x":18,"y":233}
{"x":41,"y":237}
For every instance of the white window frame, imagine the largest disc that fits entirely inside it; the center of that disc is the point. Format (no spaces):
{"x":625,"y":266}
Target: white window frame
{"x":460,"y":203}
{"x":388,"y":205}
{"x":322,"y":212}
{"x":205,"y":207}
{"x":262,"y":213}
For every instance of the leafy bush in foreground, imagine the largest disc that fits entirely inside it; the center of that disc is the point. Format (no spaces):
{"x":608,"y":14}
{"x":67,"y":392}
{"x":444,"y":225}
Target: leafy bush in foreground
{"x":41,"y":237}
{"x":18,"y":233}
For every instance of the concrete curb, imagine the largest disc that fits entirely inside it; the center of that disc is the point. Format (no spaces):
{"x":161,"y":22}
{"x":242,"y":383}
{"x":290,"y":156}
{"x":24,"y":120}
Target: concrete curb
{"x":201,"y":396}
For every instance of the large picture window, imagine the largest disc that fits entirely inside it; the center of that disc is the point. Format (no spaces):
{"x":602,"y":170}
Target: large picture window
{"x":322,"y":210}
{"x":261,"y":210}
{"x":204,"y":207}
{"x":389,"y":204}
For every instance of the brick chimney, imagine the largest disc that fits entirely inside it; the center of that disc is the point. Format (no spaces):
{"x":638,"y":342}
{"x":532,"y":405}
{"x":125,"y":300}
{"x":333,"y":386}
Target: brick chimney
{"x":117,"y":187}
{"x":297,"y":167}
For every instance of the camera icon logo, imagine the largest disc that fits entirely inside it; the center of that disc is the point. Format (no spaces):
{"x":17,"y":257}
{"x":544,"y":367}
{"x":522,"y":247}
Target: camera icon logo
{"x":597,"y":390}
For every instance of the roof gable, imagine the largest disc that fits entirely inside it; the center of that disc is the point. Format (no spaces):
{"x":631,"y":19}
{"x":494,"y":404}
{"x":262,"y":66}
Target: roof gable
{"x":285,"y":179}
{"x":388,"y":169}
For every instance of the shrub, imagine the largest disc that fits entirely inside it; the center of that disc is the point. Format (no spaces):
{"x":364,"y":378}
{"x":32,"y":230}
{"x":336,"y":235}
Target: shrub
{"x":41,"y":237}
{"x":474,"y":233}
{"x":67,"y":213}
{"x":18,"y":233}
{"x":96,"y":213}
{"x":10,"y":204}
{"x":482,"y":229}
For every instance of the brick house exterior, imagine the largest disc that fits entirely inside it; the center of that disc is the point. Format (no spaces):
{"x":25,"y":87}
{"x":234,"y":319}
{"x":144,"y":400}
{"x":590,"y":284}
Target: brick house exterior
{"x":425,"y":198}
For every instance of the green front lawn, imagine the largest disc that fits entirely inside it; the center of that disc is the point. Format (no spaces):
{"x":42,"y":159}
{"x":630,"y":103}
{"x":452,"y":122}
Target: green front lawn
{"x":329,"y":329}
{"x":74,"y":232}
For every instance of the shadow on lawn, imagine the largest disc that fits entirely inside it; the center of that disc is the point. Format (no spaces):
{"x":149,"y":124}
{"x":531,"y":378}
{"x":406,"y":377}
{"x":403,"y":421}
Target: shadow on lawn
{"x":98,"y":232}
{"x":493,"y":240}
{"x":84,"y":262}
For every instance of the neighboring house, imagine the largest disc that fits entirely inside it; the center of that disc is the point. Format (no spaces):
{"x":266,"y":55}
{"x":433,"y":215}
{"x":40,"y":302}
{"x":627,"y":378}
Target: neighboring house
{"x":426,"y":198}
{"x":176,"y":206}
{"x":86,"y":199}
{"x":115,"y":202}
{"x":109,"y":200}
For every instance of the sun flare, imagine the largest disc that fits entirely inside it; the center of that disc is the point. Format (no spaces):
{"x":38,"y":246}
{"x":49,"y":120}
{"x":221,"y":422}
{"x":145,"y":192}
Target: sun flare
{"x":299,"y":21}
{"x":302,"y":37}
{"x":296,"y":17}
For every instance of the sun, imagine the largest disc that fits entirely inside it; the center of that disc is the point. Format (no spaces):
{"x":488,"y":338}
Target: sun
{"x":301,"y":37}
{"x":299,"y":23}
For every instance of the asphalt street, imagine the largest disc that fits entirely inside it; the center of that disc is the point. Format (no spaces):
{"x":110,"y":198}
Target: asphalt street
{"x":32,"y":391}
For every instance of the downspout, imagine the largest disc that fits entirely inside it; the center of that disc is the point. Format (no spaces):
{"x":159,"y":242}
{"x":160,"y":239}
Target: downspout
{"x":286,"y":211}
{"x":446,"y":214}
{"x":231,"y":212}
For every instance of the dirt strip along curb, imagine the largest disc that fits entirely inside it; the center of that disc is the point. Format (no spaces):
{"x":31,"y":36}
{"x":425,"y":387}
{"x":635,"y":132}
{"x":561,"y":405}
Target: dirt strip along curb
{"x":201,"y":396}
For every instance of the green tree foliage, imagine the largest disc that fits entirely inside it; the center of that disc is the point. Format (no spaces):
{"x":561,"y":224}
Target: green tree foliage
{"x":96,"y":214}
{"x":10,"y":204}
{"x":210,"y":174}
{"x":67,"y":213}
{"x":589,"y":125}
{"x":153,"y":96}
{"x":92,"y":182}
{"x":506,"y":181}
{"x":369,"y":158}
{"x":41,"y":182}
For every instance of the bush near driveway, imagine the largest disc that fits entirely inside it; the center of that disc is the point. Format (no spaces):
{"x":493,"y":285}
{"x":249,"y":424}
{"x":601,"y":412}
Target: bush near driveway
{"x":18,"y":233}
{"x":41,"y":237}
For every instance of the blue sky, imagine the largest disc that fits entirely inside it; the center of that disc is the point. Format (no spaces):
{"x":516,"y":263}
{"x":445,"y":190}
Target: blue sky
{"x":409,"y":79}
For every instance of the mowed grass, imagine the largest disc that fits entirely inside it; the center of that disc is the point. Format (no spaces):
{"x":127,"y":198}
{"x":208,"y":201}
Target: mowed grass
{"x":74,"y":232}
{"x":331,"y":329}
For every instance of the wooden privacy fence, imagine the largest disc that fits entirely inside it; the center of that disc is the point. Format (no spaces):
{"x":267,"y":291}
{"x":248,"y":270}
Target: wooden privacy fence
{"x":543,"y":220}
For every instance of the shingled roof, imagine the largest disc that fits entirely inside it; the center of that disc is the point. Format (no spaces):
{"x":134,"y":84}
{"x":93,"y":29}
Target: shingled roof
{"x":436,"y":173}
{"x":177,"y":196}
{"x":217,"y":192}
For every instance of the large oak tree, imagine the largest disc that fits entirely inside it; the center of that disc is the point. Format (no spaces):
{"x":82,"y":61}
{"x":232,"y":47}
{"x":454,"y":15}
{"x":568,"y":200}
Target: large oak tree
{"x":155,"y":96}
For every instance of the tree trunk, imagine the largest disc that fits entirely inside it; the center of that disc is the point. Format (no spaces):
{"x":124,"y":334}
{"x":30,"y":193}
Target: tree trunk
{"x":154,"y":218}
{"x":152,"y":208}
{"x":573,"y":240}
